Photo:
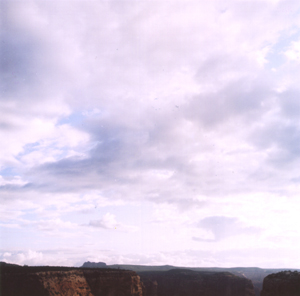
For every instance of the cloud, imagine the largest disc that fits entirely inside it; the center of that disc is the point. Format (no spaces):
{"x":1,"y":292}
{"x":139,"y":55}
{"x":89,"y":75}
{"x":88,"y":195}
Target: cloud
{"x":108,"y":221}
{"x":190,"y":108}
{"x":224,"y":227}
{"x":34,"y":258}
{"x":211,"y":90}
{"x":293,"y":52}
{"x":279,"y":138}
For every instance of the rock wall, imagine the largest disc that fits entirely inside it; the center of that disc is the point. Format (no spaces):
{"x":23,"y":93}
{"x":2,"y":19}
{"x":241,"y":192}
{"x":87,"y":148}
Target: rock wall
{"x":285,"y":283}
{"x":186,"y":282}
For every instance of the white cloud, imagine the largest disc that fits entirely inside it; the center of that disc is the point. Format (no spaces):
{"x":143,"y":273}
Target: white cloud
{"x":293,"y":53}
{"x":29,"y":257}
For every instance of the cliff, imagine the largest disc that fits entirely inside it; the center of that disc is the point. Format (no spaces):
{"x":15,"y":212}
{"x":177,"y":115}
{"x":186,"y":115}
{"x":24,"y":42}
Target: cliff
{"x":285,"y":283}
{"x":181,"y":282}
{"x":48,"y":281}
{"x":255,"y":274}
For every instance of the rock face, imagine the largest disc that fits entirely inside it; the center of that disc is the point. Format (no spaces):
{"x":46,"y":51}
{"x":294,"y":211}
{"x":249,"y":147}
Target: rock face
{"x":66,"y":283}
{"x":113,"y":282}
{"x":48,"y":281}
{"x":285,"y":283}
{"x":182,"y":282}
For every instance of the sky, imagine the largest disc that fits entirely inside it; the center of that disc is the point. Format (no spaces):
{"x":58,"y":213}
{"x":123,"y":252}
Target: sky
{"x":150,"y":132}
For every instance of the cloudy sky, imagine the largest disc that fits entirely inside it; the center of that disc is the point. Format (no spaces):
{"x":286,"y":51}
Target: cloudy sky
{"x":150,"y":132}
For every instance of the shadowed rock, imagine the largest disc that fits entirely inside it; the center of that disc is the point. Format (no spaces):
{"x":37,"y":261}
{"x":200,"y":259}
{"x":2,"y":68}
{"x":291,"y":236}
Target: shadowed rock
{"x":182,"y":282}
{"x":285,"y":283}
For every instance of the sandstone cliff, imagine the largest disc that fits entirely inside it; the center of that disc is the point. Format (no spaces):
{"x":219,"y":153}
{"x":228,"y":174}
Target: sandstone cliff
{"x":181,"y":282}
{"x":285,"y":283}
{"x":48,"y":281}
{"x":66,"y":283}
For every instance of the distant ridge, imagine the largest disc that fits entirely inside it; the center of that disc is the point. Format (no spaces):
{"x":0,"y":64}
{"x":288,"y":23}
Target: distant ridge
{"x":89,"y":264}
{"x":137,"y":268}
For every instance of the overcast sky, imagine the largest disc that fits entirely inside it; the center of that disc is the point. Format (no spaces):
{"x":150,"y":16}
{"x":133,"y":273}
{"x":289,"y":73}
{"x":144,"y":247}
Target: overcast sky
{"x":150,"y":132}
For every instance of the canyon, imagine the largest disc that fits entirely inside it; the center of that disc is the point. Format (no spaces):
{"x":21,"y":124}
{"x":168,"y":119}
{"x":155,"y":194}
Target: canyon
{"x":255,"y":274}
{"x":99,"y":279}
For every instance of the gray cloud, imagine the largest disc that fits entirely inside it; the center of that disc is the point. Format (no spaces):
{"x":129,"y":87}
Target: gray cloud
{"x":223,"y":227}
{"x":289,"y":103}
{"x":281,"y":138}
{"x":242,"y":100}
